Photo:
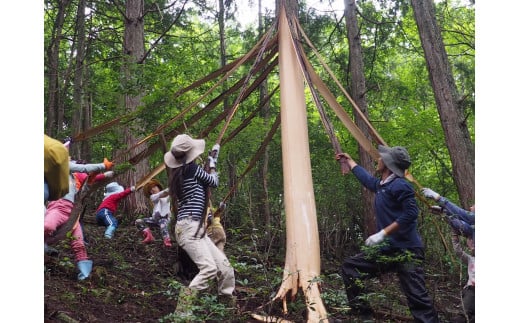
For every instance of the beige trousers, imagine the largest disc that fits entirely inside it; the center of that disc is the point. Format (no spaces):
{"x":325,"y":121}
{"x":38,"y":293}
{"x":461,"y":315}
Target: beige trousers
{"x":212,"y":262}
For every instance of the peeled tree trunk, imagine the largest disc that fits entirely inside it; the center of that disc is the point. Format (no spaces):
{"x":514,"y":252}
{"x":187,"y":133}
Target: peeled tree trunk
{"x":302,"y":258}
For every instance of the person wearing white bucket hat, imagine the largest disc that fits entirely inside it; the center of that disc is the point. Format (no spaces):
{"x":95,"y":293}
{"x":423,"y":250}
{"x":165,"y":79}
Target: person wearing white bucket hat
{"x":398,"y":238}
{"x":188,"y":187}
{"x":105,"y":213}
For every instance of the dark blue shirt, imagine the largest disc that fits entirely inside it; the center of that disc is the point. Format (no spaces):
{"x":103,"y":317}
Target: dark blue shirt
{"x":394,"y":201}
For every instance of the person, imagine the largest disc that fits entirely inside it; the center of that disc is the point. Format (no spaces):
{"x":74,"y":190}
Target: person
{"x":55,"y":169}
{"x":462,"y":223}
{"x":188,"y":184}
{"x":59,"y":211}
{"x":468,"y":291}
{"x":397,"y":237}
{"x":460,"y":219}
{"x":161,"y":213}
{"x":105,"y":213}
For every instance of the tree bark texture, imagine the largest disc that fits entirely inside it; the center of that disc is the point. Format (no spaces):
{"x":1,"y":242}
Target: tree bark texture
{"x":457,"y":137}
{"x":133,"y":53}
{"x":79,"y":67}
{"x":54,"y":117}
{"x":358,"y":90}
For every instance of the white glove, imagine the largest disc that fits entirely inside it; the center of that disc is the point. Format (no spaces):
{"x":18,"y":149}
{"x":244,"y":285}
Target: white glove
{"x":109,"y":174}
{"x":431,"y":194}
{"x":132,"y":188}
{"x":212,"y":162}
{"x":375,"y":238}
{"x":215,"y":150}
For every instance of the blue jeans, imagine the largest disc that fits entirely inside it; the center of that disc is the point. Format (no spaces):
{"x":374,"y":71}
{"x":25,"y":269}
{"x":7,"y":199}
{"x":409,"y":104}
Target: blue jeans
{"x":409,"y":272}
{"x":105,"y":218}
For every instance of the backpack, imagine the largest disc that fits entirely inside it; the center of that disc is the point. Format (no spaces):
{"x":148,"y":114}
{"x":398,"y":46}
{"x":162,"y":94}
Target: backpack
{"x":55,"y":167}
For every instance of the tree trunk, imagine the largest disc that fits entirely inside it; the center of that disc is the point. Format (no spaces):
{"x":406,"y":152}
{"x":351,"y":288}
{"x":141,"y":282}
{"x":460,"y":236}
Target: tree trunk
{"x":77,"y":94}
{"x":358,"y":90}
{"x":53,"y":102}
{"x":264,"y":165}
{"x":457,"y":137}
{"x":302,"y":258}
{"x":133,"y":53}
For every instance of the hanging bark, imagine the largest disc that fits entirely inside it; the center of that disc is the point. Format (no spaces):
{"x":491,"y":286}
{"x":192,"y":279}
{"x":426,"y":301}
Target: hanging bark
{"x":302,"y":259}
{"x":133,"y":53}
{"x":456,"y":133}
{"x":358,"y":90}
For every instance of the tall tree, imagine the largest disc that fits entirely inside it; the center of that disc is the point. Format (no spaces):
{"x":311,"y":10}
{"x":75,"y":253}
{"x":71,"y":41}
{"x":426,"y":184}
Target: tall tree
{"x":55,"y":111}
{"x":264,"y":164}
{"x":133,"y":65}
{"x":449,"y":103}
{"x":82,"y":150}
{"x":358,"y":90}
{"x":302,"y":258}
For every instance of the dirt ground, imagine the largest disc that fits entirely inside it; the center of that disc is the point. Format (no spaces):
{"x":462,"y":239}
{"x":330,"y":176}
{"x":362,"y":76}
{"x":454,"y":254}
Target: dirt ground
{"x":133,"y":282}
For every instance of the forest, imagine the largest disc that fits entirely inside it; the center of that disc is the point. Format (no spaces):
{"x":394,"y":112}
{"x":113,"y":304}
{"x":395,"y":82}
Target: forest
{"x":123,"y":78}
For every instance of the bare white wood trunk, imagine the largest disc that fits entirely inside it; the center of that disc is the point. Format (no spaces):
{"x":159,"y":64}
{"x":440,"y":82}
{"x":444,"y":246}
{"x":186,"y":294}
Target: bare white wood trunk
{"x":302,"y":260}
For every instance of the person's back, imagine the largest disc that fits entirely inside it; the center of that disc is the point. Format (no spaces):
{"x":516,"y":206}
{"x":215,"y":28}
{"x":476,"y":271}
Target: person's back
{"x":188,"y":187}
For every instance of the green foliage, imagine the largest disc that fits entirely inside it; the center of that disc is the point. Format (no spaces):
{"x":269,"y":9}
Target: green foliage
{"x":401,"y":108}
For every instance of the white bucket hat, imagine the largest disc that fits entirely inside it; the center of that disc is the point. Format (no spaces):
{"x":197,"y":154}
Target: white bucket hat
{"x":185,"y":148}
{"x":396,"y":159}
{"x":113,"y":188}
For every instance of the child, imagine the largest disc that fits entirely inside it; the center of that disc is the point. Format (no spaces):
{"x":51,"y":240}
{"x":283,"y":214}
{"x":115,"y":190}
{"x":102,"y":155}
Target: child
{"x":58,"y":213}
{"x":108,"y":207}
{"x":160,"y":214}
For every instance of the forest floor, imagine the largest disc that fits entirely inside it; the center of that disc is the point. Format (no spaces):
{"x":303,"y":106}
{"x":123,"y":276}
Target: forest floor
{"x":133,"y":282}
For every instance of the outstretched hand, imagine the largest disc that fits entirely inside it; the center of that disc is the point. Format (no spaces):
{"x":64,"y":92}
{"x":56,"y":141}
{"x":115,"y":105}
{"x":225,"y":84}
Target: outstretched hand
{"x":347,"y":163}
{"x":431,"y":194}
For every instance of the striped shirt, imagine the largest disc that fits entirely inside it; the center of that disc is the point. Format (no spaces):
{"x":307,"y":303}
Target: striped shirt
{"x":194,"y":186}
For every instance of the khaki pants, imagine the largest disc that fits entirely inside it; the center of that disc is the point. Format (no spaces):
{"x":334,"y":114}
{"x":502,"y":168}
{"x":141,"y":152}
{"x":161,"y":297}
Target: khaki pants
{"x":212,"y":262}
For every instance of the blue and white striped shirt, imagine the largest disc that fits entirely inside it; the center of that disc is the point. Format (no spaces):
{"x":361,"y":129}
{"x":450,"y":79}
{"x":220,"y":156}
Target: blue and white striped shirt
{"x":194,"y":191}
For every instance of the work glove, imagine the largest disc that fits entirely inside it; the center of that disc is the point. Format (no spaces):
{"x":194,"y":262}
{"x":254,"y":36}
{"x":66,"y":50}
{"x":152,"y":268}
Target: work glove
{"x":215,"y":150}
{"x":212,"y":162}
{"x":376,"y":238}
{"x":109,"y":174}
{"x":132,"y":188}
{"x":431,"y":194}
{"x":108,"y":164}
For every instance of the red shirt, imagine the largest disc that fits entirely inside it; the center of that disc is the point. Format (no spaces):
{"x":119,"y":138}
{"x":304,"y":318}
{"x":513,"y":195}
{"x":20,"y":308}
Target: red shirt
{"x":112,"y":201}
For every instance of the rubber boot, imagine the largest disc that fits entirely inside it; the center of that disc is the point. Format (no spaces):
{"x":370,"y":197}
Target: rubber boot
{"x":185,"y":302}
{"x":167,"y":242}
{"x":148,"y":236}
{"x":109,"y":232}
{"x":85,"y":267}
